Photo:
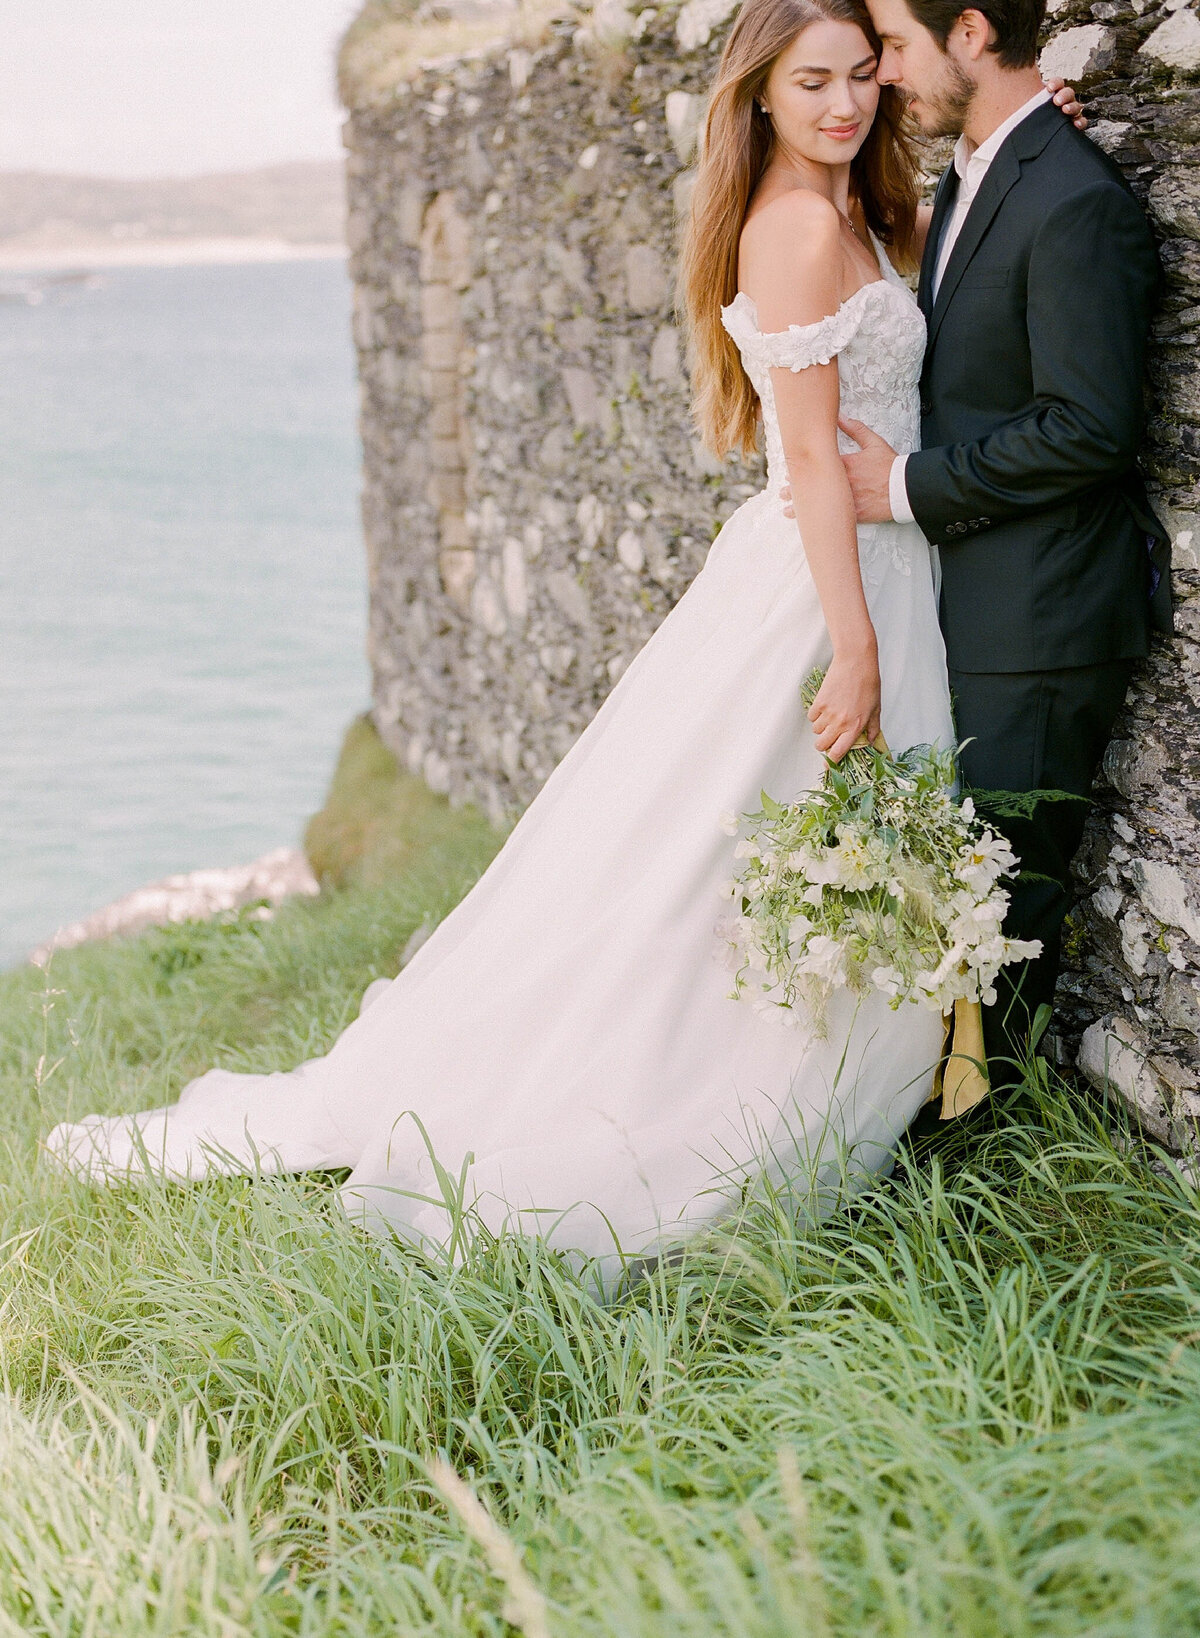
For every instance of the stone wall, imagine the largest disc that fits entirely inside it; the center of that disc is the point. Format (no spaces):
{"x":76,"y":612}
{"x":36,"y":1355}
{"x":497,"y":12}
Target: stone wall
{"x":535,"y":499}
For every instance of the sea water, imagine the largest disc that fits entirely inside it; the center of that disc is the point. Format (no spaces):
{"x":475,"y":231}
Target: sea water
{"x":182,"y":586}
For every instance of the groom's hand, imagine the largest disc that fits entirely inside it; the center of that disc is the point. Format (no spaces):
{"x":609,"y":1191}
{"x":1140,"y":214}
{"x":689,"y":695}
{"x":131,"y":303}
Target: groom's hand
{"x":869,"y":471}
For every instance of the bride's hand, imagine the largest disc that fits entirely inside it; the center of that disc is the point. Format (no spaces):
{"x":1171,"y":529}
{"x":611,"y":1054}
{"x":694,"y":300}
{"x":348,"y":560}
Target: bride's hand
{"x":846,"y":708}
{"x":1064,"y":98}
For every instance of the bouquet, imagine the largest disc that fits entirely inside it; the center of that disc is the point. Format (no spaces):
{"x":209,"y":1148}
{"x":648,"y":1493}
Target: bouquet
{"x":880,"y":880}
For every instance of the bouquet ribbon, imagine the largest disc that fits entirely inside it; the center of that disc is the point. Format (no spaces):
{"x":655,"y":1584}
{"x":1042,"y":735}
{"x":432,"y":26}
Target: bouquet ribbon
{"x":961,"y":1080}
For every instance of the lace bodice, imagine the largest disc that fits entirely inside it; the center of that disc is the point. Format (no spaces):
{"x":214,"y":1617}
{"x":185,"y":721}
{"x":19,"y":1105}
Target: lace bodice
{"x":878,"y":339}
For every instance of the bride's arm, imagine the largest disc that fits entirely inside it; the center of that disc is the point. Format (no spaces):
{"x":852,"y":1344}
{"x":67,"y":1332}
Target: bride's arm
{"x":790,"y":267}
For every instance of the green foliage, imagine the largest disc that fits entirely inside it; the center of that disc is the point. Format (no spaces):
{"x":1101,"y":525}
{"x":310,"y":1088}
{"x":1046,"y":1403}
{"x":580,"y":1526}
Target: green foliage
{"x":968,"y":1407}
{"x":1001,"y":805}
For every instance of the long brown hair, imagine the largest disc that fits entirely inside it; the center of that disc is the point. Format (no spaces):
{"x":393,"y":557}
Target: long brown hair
{"x":737,"y":146}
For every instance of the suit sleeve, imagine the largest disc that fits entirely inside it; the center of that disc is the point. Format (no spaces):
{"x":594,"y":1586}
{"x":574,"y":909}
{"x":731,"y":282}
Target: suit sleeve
{"x":1092,"y":280}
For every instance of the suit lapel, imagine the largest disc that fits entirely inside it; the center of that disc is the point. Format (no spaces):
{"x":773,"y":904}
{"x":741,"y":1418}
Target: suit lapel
{"x":1028,"y":140}
{"x":943,"y":204}
{"x":1002,"y":173}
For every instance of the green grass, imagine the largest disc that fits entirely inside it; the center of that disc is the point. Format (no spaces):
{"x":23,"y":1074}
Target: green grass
{"x":969,"y":1408}
{"x":378,"y":820}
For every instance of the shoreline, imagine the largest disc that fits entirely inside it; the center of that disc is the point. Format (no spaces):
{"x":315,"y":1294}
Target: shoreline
{"x":86,"y":257}
{"x":192,"y":895}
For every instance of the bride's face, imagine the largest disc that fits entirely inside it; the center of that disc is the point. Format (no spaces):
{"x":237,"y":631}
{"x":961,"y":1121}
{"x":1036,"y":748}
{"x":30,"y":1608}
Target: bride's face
{"x":821,"y":92}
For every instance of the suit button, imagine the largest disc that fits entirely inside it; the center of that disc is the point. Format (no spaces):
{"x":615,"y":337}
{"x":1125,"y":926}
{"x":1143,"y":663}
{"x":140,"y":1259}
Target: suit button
{"x":926,"y":406}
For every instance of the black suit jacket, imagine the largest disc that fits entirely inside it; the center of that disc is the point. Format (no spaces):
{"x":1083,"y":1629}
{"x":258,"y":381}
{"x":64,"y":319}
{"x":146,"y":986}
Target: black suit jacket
{"x":1032,"y":412}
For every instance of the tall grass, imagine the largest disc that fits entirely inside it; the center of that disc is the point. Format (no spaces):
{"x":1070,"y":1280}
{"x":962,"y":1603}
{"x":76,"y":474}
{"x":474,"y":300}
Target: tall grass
{"x":969,"y":1407}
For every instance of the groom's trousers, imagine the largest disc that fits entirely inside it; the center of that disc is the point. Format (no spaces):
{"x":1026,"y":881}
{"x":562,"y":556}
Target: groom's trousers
{"x":1035,"y":730}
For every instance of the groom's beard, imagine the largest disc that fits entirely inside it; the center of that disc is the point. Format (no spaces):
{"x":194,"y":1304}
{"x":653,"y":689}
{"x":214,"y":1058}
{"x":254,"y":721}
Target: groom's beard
{"x":944,"y":111}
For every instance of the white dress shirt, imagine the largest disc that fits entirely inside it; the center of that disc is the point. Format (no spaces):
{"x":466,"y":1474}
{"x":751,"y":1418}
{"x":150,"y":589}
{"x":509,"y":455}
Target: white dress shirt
{"x":972,"y":166}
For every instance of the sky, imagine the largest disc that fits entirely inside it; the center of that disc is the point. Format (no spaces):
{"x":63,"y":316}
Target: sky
{"x":167,"y":87}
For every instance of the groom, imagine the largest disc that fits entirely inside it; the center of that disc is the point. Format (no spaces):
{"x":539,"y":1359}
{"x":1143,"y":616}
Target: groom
{"x":1037,"y":284}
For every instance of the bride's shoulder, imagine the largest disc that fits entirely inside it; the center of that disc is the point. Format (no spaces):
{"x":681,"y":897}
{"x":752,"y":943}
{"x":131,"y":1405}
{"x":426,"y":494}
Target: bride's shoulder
{"x":798,"y":223}
{"x":789,"y":259}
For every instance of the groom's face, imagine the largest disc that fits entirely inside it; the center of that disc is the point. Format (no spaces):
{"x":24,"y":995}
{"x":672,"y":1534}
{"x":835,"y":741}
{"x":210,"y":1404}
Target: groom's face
{"x":937,"y":85}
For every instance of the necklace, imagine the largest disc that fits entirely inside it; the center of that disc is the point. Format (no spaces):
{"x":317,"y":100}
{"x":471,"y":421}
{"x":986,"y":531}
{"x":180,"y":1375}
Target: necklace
{"x":850,"y":224}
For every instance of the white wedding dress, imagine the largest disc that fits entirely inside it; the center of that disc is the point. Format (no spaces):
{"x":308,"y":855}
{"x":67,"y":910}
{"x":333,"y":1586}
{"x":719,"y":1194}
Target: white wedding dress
{"x":569,"y":1025}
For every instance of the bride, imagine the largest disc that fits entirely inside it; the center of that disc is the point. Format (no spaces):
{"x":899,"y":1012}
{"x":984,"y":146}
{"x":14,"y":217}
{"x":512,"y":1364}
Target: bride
{"x":565,"y":1043}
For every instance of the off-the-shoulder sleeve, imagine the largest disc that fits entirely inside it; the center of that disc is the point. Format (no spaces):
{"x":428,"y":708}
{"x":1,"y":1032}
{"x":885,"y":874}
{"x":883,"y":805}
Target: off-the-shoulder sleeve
{"x":799,"y":346}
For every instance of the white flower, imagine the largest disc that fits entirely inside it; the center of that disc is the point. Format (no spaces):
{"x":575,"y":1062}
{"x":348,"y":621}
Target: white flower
{"x":824,"y":958}
{"x":799,"y":930}
{"x":825,"y":867}
{"x":887,"y":980}
{"x":729,"y":823}
{"x":747,"y":848}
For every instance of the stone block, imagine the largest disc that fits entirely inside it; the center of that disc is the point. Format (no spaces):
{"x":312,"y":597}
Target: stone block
{"x":1114,"y":1054}
{"x":1134,"y":767}
{"x":697,"y":20}
{"x":487,"y":610}
{"x":630,"y":551}
{"x":1110,"y":134}
{"x":447,"y":491}
{"x":664,"y":356}
{"x":454,"y":536}
{"x":358,"y":231}
{"x":445,"y":455}
{"x":592,"y":518}
{"x":659,"y":564}
{"x":410,"y":213}
{"x":681,"y":195}
{"x":476,"y":164}
{"x":1175,"y":200}
{"x":516,"y":585}
{"x":1166,"y":894}
{"x":556,"y":660}
{"x":440,"y":349}
{"x":683,"y":110}
{"x":1181,"y":1003}
{"x":553,"y":453}
{"x":569,"y":264}
{"x":435,"y":770}
{"x":1079,"y":54}
{"x":457,"y":571}
{"x":569,"y":597}
{"x":583,"y":397}
{"x":362,"y":322}
{"x":519,"y":63}
{"x":646,"y":282}
{"x":439,"y":307}
{"x":1175,"y":43}
{"x":510,"y":752}
{"x":444,"y":419}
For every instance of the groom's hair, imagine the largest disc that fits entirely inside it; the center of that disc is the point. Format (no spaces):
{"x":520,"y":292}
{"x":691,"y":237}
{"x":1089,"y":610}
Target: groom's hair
{"x":1016,"y":24}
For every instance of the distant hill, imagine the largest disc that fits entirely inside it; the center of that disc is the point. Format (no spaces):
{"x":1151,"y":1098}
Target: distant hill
{"x":295,"y":204}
